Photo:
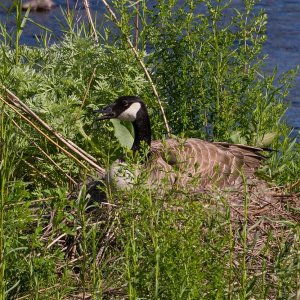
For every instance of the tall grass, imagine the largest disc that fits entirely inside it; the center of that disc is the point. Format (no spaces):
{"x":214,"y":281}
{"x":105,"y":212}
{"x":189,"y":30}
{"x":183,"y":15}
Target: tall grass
{"x":140,"y":244}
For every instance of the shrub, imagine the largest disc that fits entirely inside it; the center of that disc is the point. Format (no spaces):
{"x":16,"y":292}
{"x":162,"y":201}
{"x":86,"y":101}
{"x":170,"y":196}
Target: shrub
{"x":208,"y":71}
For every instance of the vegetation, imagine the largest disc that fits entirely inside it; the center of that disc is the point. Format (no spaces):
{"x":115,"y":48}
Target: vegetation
{"x":207,"y":68}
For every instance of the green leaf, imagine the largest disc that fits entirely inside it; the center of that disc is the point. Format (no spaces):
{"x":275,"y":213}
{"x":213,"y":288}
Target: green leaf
{"x":236,"y":138}
{"x":266,"y":139}
{"x":269,"y":138}
{"x":122,"y":134}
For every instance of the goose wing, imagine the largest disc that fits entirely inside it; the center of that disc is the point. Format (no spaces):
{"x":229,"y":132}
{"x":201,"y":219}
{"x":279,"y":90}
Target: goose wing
{"x":197,"y":162}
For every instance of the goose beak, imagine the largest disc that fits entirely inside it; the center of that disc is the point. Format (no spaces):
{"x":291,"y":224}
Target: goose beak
{"x":106,"y":112}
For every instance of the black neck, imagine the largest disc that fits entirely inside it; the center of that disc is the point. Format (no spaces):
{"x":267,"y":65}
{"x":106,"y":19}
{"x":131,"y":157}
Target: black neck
{"x":142,"y":131}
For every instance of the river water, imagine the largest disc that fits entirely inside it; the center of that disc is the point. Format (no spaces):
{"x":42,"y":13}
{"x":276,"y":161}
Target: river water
{"x":282,"y":46}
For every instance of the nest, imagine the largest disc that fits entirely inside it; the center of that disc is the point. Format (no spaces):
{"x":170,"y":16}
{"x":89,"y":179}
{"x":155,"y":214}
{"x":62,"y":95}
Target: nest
{"x":259,"y":216}
{"x":263,"y":224}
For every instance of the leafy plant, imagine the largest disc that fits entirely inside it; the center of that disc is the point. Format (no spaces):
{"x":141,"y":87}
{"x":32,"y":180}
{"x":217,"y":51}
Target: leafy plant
{"x":207,"y":68}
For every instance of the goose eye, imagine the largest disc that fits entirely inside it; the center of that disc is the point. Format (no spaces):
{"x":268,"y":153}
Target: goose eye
{"x":125,"y":103}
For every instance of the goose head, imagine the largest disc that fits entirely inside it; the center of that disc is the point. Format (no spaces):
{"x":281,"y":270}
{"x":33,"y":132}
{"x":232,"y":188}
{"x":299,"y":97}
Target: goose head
{"x":125,"y":108}
{"x":131,"y":109}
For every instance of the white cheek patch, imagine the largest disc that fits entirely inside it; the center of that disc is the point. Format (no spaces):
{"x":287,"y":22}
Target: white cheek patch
{"x":130,"y":113}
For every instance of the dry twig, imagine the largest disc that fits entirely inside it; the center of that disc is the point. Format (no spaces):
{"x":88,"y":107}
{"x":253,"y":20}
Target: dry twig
{"x":136,"y":54}
{"x":43,"y":152}
{"x":42,"y":133}
{"x":13,"y":101}
{"x":88,"y":13}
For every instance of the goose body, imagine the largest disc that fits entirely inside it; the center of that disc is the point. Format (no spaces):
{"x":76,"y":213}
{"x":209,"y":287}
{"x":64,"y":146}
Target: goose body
{"x":190,"y":164}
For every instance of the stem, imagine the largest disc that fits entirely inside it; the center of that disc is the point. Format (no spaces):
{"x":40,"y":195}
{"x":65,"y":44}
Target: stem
{"x":141,"y":64}
{"x":14,"y":101}
{"x":2,"y":203}
{"x":231,"y":249}
{"x":42,"y":151}
{"x":244,"y":237}
{"x":43,"y":134}
{"x":86,"y":93}
{"x":89,"y":16}
{"x":137,"y":26}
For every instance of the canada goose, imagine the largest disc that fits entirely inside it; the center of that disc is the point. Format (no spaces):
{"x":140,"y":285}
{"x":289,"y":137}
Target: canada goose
{"x":187,"y":163}
{"x":38,"y":5}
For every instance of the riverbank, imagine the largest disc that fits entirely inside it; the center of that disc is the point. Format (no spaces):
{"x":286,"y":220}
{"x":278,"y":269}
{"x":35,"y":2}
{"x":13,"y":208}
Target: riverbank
{"x":57,"y":241}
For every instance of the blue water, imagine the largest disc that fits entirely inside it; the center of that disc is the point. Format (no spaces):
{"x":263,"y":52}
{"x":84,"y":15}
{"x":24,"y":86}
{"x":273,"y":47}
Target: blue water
{"x":282,"y":46}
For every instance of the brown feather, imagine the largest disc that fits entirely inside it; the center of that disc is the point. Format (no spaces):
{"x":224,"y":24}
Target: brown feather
{"x":196,"y":163}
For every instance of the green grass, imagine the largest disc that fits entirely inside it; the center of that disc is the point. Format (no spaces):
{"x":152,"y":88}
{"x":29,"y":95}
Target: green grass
{"x":140,"y":244}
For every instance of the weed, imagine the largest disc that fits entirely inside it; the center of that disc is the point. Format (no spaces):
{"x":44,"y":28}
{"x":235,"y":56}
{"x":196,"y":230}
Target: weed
{"x":138,"y":244}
